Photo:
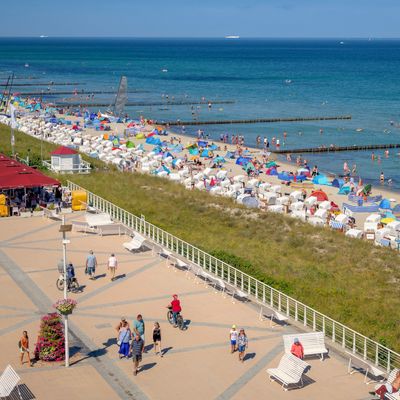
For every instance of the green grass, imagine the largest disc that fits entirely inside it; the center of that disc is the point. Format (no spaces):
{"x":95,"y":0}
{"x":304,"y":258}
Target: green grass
{"x":348,"y":280}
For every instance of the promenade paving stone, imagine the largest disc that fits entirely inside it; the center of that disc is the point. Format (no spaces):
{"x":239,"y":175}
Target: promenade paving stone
{"x":197,"y":363}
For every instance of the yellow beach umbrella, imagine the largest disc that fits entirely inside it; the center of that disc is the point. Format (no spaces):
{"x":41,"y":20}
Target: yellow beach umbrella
{"x":385,"y":221}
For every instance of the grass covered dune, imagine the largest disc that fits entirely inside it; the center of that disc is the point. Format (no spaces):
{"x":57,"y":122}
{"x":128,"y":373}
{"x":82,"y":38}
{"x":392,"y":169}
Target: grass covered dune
{"x":349,"y":280}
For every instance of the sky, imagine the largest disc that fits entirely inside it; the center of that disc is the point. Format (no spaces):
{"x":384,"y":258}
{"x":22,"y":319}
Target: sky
{"x":202,"y":18}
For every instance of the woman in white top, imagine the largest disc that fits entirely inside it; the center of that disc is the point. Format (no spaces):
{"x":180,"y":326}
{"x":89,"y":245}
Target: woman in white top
{"x":112,"y":265}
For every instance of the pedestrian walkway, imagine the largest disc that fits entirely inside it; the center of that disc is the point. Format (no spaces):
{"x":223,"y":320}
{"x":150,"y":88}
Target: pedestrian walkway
{"x":197,"y":363}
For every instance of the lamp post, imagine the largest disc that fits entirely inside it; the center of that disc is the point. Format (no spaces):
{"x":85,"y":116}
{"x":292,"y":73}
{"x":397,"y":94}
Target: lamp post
{"x":64,"y":229}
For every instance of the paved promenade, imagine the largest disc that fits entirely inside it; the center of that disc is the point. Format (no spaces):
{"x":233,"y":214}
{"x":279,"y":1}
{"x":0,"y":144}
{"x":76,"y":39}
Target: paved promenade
{"x":197,"y":363}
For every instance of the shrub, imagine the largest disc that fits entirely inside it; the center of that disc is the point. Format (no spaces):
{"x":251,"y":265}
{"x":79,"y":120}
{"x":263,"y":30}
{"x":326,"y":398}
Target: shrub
{"x":51,"y":342}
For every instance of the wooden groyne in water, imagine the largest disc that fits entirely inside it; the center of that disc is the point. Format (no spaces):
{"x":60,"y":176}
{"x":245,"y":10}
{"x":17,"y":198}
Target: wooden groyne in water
{"x":45,"y":93}
{"x":252,"y":121}
{"x":44,"y":84}
{"x":333,"y":149}
{"x":142,"y":104}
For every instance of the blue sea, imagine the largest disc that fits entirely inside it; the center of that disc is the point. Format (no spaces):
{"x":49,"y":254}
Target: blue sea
{"x":265,"y":77}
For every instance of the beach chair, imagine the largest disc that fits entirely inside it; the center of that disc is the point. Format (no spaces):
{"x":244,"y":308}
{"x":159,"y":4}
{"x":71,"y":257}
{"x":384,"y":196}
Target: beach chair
{"x":52,"y":214}
{"x":313,"y":343}
{"x":8,"y":381}
{"x":80,"y":226}
{"x":219,"y":284}
{"x":281,"y":318}
{"x":289,"y":371}
{"x":135,"y":244}
{"x":354,"y":233}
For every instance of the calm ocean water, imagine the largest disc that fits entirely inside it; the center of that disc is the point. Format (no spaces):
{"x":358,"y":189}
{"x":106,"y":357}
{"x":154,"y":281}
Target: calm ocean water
{"x":358,"y":77}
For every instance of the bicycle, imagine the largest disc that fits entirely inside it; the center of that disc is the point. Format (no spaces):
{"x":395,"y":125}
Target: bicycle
{"x":73,"y":286}
{"x":180,"y":322}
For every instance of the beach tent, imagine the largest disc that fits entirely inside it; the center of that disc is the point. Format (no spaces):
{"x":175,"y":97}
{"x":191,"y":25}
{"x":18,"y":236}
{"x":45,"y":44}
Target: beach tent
{"x":213,"y":147}
{"x":205,"y":153}
{"x":219,"y":159}
{"x":344,"y":190}
{"x":320,"y":179}
{"x":167,"y":154}
{"x":250,"y":167}
{"x":229,"y":154}
{"x":337,"y":183}
{"x":271,"y":164}
{"x":271,"y":171}
{"x":130,"y":145}
{"x":320,"y":195}
{"x":154,"y":140}
{"x":385,"y":204}
{"x":283,"y":176}
{"x":194,"y":151}
{"x":201,"y":143}
{"x":243,"y":161}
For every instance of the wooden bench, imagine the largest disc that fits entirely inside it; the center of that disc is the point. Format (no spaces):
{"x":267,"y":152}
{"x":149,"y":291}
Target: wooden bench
{"x":356,"y":361}
{"x":289,"y":371}
{"x":313,"y":343}
{"x":8,"y":381}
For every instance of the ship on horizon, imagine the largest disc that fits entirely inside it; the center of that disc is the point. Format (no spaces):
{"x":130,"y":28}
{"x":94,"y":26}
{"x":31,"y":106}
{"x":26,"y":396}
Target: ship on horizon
{"x":232,"y":37}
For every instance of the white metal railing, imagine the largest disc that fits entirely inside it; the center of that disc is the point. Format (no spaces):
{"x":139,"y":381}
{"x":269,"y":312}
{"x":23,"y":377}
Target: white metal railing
{"x":350,"y":340}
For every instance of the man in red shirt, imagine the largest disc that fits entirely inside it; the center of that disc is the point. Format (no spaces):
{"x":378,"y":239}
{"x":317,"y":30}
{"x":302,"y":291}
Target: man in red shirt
{"x":297,"y":349}
{"x":176,"y":307}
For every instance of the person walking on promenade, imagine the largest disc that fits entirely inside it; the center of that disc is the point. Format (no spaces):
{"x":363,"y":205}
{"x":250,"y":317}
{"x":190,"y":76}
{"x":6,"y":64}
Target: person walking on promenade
{"x":233,"y":336}
{"x":242,"y":344}
{"x":137,"y":350}
{"x":112,"y":265}
{"x":121,"y":324}
{"x":139,"y":328}
{"x":23,"y":345}
{"x":157,"y":338}
{"x":124,"y":337}
{"x":91,"y":264}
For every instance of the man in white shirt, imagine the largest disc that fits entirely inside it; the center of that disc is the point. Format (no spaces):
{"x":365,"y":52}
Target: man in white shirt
{"x":112,"y":265}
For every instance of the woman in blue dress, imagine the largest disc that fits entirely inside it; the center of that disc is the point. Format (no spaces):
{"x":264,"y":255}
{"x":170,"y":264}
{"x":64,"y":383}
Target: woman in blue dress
{"x":124,"y":337}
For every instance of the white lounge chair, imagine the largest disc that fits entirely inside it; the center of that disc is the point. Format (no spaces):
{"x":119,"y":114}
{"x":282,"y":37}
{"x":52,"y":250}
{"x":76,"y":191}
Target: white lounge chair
{"x":135,"y":244}
{"x":240,"y":294}
{"x":50,"y":213}
{"x":313,"y":343}
{"x":8,"y":381}
{"x":289,"y":371}
{"x":219,"y":283}
{"x":80,"y":226}
{"x":112,"y":229}
{"x":278,"y":317}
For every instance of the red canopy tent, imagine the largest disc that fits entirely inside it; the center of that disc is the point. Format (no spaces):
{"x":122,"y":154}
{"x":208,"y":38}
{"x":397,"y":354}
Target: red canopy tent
{"x":15,"y":175}
{"x":320,"y":195}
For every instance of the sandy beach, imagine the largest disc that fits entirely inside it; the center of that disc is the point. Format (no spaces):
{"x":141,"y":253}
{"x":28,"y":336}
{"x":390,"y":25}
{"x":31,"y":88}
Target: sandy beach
{"x":234,"y":169}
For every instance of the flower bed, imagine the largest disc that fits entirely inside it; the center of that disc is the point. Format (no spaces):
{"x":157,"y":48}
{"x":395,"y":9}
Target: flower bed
{"x":51,"y":342}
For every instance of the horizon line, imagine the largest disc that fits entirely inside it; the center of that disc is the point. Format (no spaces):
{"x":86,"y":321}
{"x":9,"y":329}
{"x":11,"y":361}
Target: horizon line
{"x":199,"y":37}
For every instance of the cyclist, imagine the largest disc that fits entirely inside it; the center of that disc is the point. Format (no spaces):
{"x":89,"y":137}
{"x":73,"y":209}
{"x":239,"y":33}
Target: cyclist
{"x":175,"y":308}
{"x":70,"y":274}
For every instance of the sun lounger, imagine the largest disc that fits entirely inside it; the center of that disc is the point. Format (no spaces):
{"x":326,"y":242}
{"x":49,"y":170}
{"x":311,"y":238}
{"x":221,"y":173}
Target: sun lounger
{"x":355,"y":362}
{"x":8,"y":381}
{"x":95,"y":220}
{"x":296,"y":206}
{"x":239,"y":294}
{"x":313,"y":343}
{"x":135,"y":244}
{"x":277,"y":316}
{"x":289,"y":371}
